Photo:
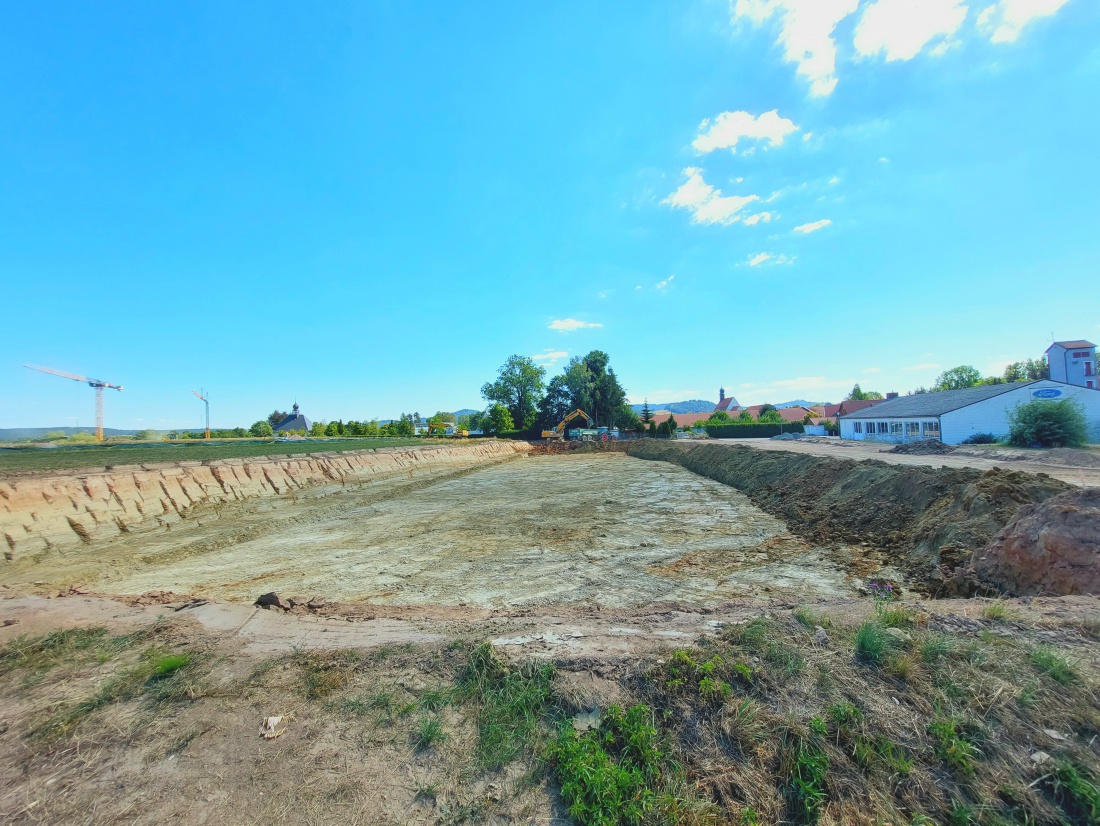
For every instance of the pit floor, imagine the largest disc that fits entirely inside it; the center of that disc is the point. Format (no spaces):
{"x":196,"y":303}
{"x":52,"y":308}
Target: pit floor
{"x":598,"y":529}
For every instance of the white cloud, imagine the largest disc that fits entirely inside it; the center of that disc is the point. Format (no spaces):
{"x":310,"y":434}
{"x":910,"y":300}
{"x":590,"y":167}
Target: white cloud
{"x":834,"y":181}
{"x":660,"y":285}
{"x":568,"y":325}
{"x":806,"y":34}
{"x":899,"y":29}
{"x":551,"y":356}
{"x":1006,"y":19}
{"x":925,"y":366}
{"x":753,"y":220}
{"x":707,"y":204}
{"x":806,"y":229}
{"x":730,"y":127}
{"x":768,"y":258}
{"x":884,"y":160}
{"x":605,"y":293}
{"x":808,"y":137}
{"x":638,"y":287}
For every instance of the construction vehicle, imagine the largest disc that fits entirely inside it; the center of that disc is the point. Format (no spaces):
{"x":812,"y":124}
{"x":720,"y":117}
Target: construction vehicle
{"x":448,"y":430}
{"x":96,"y":384}
{"x":558,"y":433}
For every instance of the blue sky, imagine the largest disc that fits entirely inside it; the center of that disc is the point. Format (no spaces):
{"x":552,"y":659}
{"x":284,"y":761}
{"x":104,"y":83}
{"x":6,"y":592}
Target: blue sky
{"x":368,"y":207}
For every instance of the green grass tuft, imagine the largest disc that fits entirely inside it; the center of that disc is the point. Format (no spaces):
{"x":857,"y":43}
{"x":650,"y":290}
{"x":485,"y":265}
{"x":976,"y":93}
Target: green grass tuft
{"x":429,"y":731}
{"x":806,"y":774}
{"x":871,"y":643}
{"x":952,"y":746}
{"x":1075,"y":792}
{"x":169,"y":665}
{"x":1054,"y":665}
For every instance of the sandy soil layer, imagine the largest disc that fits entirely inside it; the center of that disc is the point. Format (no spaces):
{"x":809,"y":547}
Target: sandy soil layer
{"x":1053,"y":463}
{"x":606,"y":530}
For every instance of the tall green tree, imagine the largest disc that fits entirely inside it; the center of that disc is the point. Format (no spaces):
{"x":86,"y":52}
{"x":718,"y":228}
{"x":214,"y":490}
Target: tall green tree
{"x":276,"y":416}
{"x":556,"y":404}
{"x":519,"y":387}
{"x":1027,"y":370}
{"x":859,"y":394}
{"x":957,"y":378}
{"x":442,"y":417}
{"x":595,"y":389}
{"x":498,"y":419}
{"x":646,"y":414}
{"x":261,"y":429}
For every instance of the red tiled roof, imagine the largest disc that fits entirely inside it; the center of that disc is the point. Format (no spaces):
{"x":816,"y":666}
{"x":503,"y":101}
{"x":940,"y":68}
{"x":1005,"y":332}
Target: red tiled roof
{"x":682,"y":419}
{"x":788,"y":414}
{"x":728,"y":404}
{"x":853,"y":405}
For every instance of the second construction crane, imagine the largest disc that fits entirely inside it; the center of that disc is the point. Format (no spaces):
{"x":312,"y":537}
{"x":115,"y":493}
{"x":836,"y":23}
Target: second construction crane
{"x":206,"y":401}
{"x":95,"y":384}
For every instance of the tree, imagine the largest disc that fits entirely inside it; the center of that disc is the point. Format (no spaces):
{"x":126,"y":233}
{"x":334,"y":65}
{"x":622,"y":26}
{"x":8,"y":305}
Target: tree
{"x":671,"y":424}
{"x":858,"y":394}
{"x":518,"y":388}
{"x":957,"y":378}
{"x":764,"y":409}
{"x":556,"y":404}
{"x":1027,"y":370}
{"x":334,"y":429}
{"x":594,"y":388}
{"x":498,"y":419}
{"x":744,"y":416}
{"x":646,"y":415}
{"x":317,"y":429}
{"x":262,"y":429}
{"x":403,"y":426}
{"x":141,"y":435}
{"x":1048,"y":423}
{"x":627,"y":419}
{"x":770,"y":417}
{"x":652,"y":428}
{"x":275,"y":417}
{"x":442,"y":417}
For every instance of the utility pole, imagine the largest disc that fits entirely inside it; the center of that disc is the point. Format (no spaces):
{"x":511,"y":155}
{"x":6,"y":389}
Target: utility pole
{"x":206,"y":401}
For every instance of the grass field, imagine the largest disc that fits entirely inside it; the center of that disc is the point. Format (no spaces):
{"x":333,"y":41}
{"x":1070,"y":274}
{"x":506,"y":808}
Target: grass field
{"x":31,"y":459}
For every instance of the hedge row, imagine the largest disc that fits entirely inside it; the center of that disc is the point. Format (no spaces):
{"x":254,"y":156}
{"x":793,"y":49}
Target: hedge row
{"x":753,"y":430}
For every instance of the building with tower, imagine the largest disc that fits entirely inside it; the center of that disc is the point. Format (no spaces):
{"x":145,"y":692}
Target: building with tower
{"x":295,"y":421}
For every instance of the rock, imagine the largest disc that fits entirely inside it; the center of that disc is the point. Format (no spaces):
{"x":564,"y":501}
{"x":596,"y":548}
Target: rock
{"x":273,"y":600}
{"x":1040,"y":757}
{"x":1055,"y":735}
{"x":316,"y":602}
{"x":821,"y":636}
{"x":899,"y":635}
{"x":1049,"y":548}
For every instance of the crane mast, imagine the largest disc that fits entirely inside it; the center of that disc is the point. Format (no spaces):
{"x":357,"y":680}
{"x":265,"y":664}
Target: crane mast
{"x":96,"y":384}
{"x":206,"y":401}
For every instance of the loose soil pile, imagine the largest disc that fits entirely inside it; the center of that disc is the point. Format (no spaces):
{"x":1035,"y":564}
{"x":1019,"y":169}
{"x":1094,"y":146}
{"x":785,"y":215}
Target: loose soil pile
{"x":928,"y":447}
{"x":928,"y":520}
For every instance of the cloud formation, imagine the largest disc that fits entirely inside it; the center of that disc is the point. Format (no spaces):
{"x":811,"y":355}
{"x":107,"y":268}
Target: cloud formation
{"x":753,"y":220}
{"x":806,"y":34}
{"x":660,"y":285}
{"x":550,"y":356}
{"x":707,"y":204}
{"x":900,"y":29}
{"x":568,"y":325}
{"x":1005,"y":20}
{"x":730,"y":127}
{"x":768,"y":258}
{"x":806,"y":229}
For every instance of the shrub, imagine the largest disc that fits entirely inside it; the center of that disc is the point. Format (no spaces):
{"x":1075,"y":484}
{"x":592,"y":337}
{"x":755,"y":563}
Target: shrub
{"x":871,"y":643}
{"x":753,"y":430}
{"x":980,"y":439}
{"x":1048,"y":423}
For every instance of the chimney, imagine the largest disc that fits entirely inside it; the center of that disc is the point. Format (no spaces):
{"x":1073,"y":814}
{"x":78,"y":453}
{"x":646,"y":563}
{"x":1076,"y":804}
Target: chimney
{"x":891,"y":396}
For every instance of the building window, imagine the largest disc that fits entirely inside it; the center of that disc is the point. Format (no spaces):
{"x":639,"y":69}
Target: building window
{"x":895,"y":428}
{"x":1088,"y":368}
{"x":932,"y":429}
{"x":912,"y":428}
{"x":1080,"y":355}
{"x":857,"y":427}
{"x":883,"y":427}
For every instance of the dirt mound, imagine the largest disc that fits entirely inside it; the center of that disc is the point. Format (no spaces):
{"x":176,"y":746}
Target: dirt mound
{"x":928,"y":520}
{"x":929,"y":447}
{"x":1048,"y":548}
{"x":1072,"y":457}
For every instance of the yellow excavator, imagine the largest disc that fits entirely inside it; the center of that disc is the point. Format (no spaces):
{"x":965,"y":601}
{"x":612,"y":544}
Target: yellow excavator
{"x":559,"y":432}
{"x":444,"y":427}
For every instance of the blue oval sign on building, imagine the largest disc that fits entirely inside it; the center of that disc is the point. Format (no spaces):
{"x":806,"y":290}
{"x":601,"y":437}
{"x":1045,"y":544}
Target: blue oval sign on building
{"x":1047,"y":393}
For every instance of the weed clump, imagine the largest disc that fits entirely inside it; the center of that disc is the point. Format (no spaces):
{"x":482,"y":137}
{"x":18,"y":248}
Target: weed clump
{"x":952,"y":746}
{"x":807,"y":766}
{"x":511,"y":704}
{"x":1075,"y":792}
{"x":871,"y":643}
{"x":1054,"y":665}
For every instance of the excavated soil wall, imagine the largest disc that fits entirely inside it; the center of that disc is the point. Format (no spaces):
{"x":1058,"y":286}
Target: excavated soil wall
{"x":65,"y":511}
{"x":930,"y":520}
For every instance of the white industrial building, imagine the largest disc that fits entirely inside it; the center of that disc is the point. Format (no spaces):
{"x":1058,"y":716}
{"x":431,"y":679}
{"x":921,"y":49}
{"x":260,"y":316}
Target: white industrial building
{"x":954,"y":415}
{"x":1073,"y":362}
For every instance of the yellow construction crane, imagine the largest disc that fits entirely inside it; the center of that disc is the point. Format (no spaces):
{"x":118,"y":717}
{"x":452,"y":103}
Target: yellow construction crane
{"x":96,"y":384}
{"x":206,"y":401}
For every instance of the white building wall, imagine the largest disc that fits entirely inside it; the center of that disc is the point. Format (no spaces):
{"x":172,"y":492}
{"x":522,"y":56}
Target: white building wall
{"x":991,"y":415}
{"x":1079,"y":371}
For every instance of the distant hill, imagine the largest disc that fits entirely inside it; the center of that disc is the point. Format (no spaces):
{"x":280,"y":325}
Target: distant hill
{"x":12,"y":434}
{"x":690,"y":406}
{"x":798,"y":403}
{"x":466,"y":411}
